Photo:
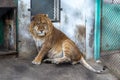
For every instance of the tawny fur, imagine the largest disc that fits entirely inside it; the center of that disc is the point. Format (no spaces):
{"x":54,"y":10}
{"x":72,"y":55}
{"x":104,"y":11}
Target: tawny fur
{"x":54,"y":43}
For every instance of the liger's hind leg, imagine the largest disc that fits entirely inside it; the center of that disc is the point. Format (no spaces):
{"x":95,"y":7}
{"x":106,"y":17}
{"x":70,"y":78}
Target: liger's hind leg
{"x":66,"y":51}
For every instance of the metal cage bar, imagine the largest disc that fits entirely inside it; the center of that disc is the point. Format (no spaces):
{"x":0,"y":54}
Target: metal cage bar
{"x":97,"y":29}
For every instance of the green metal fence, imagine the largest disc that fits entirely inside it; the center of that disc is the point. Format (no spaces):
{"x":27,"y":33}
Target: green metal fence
{"x":1,"y":33}
{"x":110,"y":35}
{"x":107,"y":27}
{"x":110,"y":32}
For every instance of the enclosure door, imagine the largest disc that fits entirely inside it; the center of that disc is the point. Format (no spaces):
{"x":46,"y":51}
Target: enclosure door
{"x":1,"y":33}
{"x":110,"y":33}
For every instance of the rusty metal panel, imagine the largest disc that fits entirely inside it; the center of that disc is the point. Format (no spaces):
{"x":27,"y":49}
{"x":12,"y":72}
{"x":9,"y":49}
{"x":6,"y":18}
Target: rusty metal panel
{"x":7,"y":3}
{"x":8,"y":18}
{"x":111,"y":60}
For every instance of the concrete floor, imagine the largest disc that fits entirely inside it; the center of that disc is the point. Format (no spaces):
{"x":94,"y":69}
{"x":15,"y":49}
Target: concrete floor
{"x":12,"y":68}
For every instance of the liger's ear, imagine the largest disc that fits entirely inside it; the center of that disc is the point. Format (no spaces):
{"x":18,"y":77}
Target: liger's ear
{"x":46,"y":15}
{"x":32,"y":18}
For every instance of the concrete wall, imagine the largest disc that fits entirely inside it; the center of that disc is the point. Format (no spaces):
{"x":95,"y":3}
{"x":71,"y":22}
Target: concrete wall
{"x":26,"y":45}
{"x":77,"y":21}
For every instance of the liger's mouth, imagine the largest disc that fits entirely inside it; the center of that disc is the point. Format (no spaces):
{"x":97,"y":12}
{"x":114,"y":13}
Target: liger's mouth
{"x":41,"y":34}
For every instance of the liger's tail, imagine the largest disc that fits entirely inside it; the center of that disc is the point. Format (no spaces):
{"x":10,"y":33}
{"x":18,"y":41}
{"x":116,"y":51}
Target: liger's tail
{"x":84,"y":63}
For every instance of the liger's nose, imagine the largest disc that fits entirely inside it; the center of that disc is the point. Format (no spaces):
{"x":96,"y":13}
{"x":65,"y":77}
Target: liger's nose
{"x":41,"y":31}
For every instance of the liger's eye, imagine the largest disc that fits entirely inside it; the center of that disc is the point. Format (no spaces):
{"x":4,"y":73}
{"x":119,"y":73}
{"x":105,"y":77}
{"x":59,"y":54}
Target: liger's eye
{"x":44,"y":24}
{"x":38,"y":23}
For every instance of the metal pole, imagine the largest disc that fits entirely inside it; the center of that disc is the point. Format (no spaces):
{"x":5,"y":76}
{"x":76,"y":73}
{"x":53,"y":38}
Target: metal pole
{"x":97,"y":29}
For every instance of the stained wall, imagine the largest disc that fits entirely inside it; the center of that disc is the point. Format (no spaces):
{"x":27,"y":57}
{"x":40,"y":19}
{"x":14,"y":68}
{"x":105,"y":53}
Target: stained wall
{"x":77,"y":22}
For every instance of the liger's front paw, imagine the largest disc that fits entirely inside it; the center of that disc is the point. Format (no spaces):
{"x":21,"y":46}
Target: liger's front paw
{"x":36,"y":62}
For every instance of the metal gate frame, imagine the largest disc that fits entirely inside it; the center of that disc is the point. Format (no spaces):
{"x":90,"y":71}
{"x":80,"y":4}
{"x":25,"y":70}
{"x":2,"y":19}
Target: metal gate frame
{"x":14,"y":6}
{"x":97,"y":29}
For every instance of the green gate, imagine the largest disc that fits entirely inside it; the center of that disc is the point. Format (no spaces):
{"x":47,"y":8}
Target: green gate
{"x":107,"y":34}
{"x":110,"y":28}
{"x":110,"y":35}
{"x":107,"y":27}
{"x":1,"y":33}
